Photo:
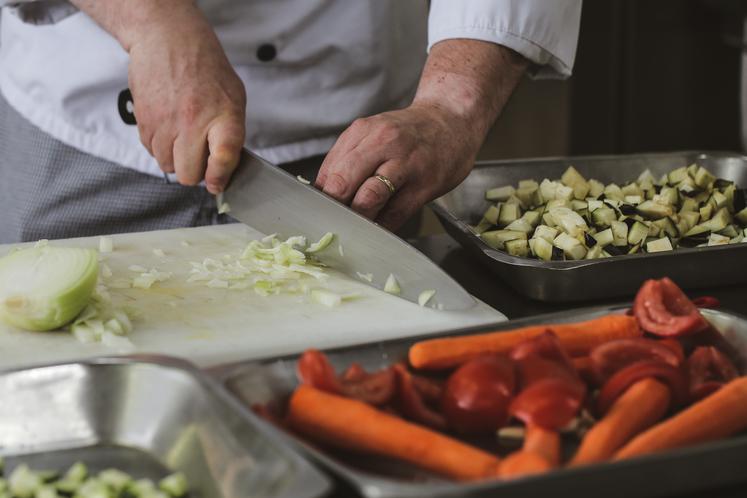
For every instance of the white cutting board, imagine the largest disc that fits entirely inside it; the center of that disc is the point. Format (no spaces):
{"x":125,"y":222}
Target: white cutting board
{"x":215,"y":326}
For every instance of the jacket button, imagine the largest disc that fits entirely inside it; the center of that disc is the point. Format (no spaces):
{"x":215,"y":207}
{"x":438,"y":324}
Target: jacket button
{"x":266,"y":52}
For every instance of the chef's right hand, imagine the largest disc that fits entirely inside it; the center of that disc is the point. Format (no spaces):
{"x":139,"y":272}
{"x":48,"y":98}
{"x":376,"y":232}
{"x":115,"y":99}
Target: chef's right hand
{"x":188,"y":101}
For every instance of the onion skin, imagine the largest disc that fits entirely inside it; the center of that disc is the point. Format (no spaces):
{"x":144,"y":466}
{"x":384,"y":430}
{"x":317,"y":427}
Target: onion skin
{"x":52,"y":301}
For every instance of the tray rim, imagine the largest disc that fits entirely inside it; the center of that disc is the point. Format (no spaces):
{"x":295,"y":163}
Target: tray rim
{"x":311,"y":482}
{"x":371,"y":485}
{"x":450,"y":220}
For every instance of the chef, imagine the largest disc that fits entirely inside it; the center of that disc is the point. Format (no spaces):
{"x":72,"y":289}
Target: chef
{"x":127,"y":115}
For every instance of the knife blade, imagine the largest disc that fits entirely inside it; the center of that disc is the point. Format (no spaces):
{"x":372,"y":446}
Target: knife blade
{"x":270,"y":200}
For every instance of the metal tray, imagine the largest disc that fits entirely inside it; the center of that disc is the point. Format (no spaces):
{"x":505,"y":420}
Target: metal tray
{"x":565,"y":281}
{"x":706,"y":466}
{"x":147,"y":416}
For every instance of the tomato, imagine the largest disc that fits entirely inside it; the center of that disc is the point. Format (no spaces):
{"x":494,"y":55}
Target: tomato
{"x":550,"y":403}
{"x":673,"y":377}
{"x":314,"y":369}
{"x":707,"y":302}
{"x":709,"y":369}
{"x":376,"y":388}
{"x":411,"y":403}
{"x":534,"y":369}
{"x":478,"y":393}
{"x":613,"y":356}
{"x":546,"y":345}
{"x":661,"y":308}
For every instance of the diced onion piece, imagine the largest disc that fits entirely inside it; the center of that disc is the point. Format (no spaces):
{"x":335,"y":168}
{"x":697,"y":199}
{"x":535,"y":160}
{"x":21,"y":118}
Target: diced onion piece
{"x":322,"y":244}
{"x":326,"y":298}
{"x":159,"y":253}
{"x":106,"y":244}
{"x":426,"y":296}
{"x":44,"y":288}
{"x":368,"y":277}
{"x":392,"y":286}
{"x":303,"y":180}
{"x":184,"y":243}
{"x":116,"y":341}
{"x":340,"y":250}
{"x":223,"y":206}
{"x":218,"y":284}
{"x":137,"y":268}
{"x":144,"y":281}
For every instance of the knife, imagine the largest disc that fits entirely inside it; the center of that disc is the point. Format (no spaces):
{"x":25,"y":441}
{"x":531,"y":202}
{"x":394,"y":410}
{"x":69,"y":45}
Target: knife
{"x":270,"y":200}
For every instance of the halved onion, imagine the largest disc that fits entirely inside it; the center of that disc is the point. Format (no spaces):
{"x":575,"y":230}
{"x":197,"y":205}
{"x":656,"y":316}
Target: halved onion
{"x":44,"y":288}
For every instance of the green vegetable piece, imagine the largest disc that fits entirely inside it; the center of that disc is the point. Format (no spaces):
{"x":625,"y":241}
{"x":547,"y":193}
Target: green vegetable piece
{"x":392,"y":286}
{"x":175,"y":485}
{"x":116,"y":479}
{"x":45,"y":287}
{"x":499,"y":194}
{"x":46,"y":492}
{"x":24,"y":482}
{"x":322,"y":244}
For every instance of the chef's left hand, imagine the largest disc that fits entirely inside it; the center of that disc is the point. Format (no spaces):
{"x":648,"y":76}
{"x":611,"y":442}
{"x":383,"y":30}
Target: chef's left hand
{"x":428,"y":148}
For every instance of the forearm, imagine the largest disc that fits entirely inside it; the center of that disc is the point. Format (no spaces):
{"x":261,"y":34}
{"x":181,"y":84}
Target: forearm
{"x":471,"y":79}
{"x":129,"y":20}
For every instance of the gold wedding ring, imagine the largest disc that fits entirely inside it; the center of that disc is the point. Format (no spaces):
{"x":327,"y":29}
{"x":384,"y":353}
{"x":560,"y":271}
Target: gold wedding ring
{"x":386,"y":181}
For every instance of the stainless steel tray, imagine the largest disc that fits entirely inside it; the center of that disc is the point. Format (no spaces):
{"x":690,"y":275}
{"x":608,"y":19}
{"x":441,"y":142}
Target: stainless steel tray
{"x":601,"y":278}
{"x":716,"y":464}
{"x":147,"y":416}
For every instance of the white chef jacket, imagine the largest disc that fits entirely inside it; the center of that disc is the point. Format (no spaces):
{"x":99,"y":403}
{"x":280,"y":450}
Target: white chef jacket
{"x":310,"y":67}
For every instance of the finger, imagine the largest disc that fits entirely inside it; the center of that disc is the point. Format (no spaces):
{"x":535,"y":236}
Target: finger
{"x":399,"y":209}
{"x":225,"y":140}
{"x":190,"y":158}
{"x":373,"y":194}
{"x":163,"y":151}
{"x":346,"y":142}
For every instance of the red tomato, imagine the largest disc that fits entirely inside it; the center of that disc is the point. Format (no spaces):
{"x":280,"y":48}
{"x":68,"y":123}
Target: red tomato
{"x":550,"y":403}
{"x":534,"y":369}
{"x":610,"y":357}
{"x":478,"y":393}
{"x":663,"y":309}
{"x":709,"y":369}
{"x":314,"y":369}
{"x":411,"y":403}
{"x":673,"y":377}
{"x":546,"y":345}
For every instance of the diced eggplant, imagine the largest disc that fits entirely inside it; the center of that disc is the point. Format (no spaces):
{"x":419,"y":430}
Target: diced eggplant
{"x":571,"y":177}
{"x":730,"y":231}
{"x":692,"y":169}
{"x":736,"y":240}
{"x":613,"y":203}
{"x":568,"y":220}
{"x":666,"y":227}
{"x":596,"y":188}
{"x":520,"y":225}
{"x":619,"y":233}
{"x":589,"y":240}
{"x":545,"y":232}
{"x":659,"y":245}
{"x":616,"y":251}
{"x":604,"y":216}
{"x":688,"y":204}
{"x":557,"y":254}
{"x":527,"y":195}
{"x":595,"y":252}
{"x":563,"y":192}
{"x":541,"y":248}
{"x":594,"y":204}
{"x":633,"y":199}
{"x":718,"y":200}
{"x":654,"y":210}
{"x":497,"y":238}
{"x":695,"y":240}
{"x":508,"y":214}
{"x":692,"y":217}
{"x":722,"y":184}
{"x":517,"y":247}
{"x":491,"y":215}
{"x":572,"y":248}
{"x":718,"y":240}
{"x":637,"y":233}
{"x":634,"y":249}
{"x":558,"y":203}
{"x":677,"y":175}
{"x":703,"y":178}
{"x":739,"y":201}
{"x":548,"y":189}
{"x":631,"y":190}
{"x":528,"y":184}
{"x":741,"y":216}
{"x":687,"y":187}
{"x":646,"y":177}
{"x":669,"y":195}
{"x":605,"y":237}
{"x":577,"y":205}
{"x":482,"y":226}
{"x":706,"y":211}
{"x":729,"y":192}
{"x":627,"y":209}
{"x":613,"y":191}
{"x":532,"y":217}
{"x":499,"y":194}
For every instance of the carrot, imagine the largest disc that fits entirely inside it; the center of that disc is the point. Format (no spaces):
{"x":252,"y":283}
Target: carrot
{"x":640,"y":407}
{"x":357,"y":426}
{"x":523,"y":463}
{"x":543,"y":442}
{"x":721,"y":414}
{"x":577,"y":339}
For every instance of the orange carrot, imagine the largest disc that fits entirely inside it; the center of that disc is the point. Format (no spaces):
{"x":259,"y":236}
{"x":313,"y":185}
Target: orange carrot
{"x":721,"y":414}
{"x":576,"y":338}
{"x":543,"y":442}
{"x":523,"y":463}
{"x":353,"y":425}
{"x":640,"y":407}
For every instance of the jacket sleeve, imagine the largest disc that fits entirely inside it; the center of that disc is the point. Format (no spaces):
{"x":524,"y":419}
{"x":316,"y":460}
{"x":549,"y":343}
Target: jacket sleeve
{"x":39,"y":11}
{"x":543,"y":31}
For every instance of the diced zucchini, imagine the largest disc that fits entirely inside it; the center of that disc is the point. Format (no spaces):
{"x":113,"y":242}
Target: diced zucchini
{"x":703,"y":178}
{"x":508,"y":213}
{"x":541,"y":248}
{"x":571,"y":247}
{"x":654,"y":210}
{"x":604,"y":216}
{"x":606,"y":237}
{"x":718,"y":240}
{"x":659,"y":245}
{"x":596,"y":188}
{"x":499,"y":194}
{"x":545,"y":232}
{"x":637,"y":233}
{"x":517,"y":247}
{"x":497,"y":238}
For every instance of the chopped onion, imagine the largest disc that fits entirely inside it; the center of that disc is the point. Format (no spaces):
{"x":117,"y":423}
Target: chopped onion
{"x":339,"y":249}
{"x":392,"y":286}
{"x":323,"y":243}
{"x":426,"y":296}
{"x":223,"y":207}
{"x":326,"y":298}
{"x":45,"y":287}
{"x":368,"y":277}
{"x":137,"y":268}
{"x":184,"y":243}
{"x":159,"y":253}
{"x":303,"y":180}
{"x":106,"y":244}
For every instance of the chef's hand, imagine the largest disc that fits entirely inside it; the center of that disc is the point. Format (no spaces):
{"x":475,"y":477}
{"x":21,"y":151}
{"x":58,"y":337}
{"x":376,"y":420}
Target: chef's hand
{"x":428,"y":148}
{"x":188,"y":101}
